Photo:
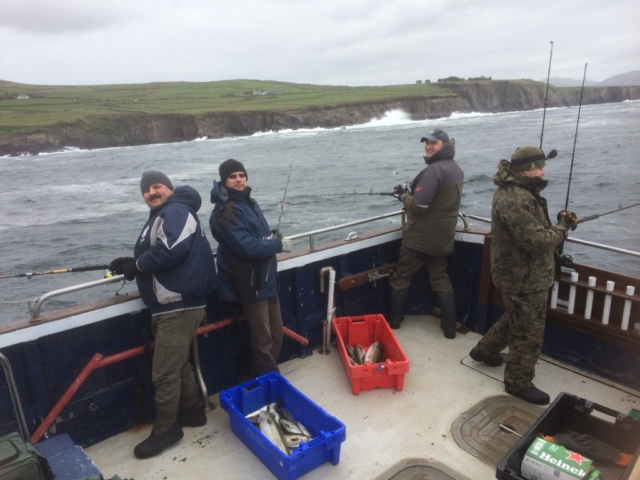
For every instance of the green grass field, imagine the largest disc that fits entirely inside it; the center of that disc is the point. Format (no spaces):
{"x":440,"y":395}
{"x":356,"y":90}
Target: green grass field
{"x":48,"y":105}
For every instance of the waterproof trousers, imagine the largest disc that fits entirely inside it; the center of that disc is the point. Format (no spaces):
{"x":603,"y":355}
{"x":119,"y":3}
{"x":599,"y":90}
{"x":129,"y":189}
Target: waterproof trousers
{"x":265,"y":326}
{"x":521,"y":328}
{"x":411,"y":262}
{"x":172,"y":373}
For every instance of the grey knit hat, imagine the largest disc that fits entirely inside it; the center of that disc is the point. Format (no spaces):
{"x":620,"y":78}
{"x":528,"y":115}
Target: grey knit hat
{"x":152,"y":177}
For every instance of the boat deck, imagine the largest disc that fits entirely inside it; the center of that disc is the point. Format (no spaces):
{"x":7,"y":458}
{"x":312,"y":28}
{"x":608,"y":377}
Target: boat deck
{"x":386,"y":430}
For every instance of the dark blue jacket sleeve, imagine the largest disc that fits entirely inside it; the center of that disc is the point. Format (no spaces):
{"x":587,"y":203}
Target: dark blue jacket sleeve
{"x":239,"y":238}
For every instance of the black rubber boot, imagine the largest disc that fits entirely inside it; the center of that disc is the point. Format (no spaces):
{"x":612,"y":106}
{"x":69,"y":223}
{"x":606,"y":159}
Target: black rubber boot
{"x":398,"y":298}
{"x":477,"y":356}
{"x":535,"y":396}
{"x":154,"y":444}
{"x":192,"y":418}
{"x":448,"y":321}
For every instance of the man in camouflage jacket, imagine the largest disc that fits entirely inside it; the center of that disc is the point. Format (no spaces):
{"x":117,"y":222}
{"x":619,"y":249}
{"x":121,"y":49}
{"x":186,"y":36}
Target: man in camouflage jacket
{"x":523,"y":247}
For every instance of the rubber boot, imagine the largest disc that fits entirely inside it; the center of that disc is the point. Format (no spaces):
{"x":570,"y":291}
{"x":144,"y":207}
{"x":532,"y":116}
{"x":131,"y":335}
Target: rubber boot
{"x":398,"y":298}
{"x":448,"y":322}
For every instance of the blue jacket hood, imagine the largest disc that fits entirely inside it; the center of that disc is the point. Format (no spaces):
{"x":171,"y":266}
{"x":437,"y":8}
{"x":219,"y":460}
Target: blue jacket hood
{"x":187,"y":195}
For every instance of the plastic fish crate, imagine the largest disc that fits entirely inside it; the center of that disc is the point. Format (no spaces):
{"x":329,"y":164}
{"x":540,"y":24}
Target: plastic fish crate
{"x":365,"y":330}
{"x":569,"y":412}
{"x":328,"y":432}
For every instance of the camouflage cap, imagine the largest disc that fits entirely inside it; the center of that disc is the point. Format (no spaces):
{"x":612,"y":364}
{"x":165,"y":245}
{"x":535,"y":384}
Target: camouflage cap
{"x":527,"y":158}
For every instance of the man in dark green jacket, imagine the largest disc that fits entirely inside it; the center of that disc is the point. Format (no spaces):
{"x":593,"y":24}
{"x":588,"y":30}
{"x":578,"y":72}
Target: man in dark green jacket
{"x":523,"y":247}
{"x":432,"y":205}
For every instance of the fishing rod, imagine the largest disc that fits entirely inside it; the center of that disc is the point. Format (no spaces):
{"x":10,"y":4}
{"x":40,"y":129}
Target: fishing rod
{"x":598,"y":215}
{"x":86,"y":268}
{"x":575,"y":139}
{"x":360,"y":193}
{"x":275,"y":233}
{"x":284,"y":196}
{"x":546,"y":92}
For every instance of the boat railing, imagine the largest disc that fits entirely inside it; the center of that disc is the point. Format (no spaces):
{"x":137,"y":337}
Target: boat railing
{"x":35,"y":312}
{"x":312,"y":234}
{"x":571,"y":239}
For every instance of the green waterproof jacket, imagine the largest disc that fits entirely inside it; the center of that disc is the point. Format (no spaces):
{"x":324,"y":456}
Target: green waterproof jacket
{"x":432,"y":206}
{"x":523,"y":241}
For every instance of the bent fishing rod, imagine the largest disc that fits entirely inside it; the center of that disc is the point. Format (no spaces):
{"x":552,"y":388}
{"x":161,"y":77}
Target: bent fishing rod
{"x":546,"y":93}
{"x":86,"y":268}
{"x":277,"y":230}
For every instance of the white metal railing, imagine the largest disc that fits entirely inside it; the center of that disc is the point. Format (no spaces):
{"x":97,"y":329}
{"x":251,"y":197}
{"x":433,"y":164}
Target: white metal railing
{"x":572,"y":240}
{"x":311,"y":235}
{"x":35,"y":313}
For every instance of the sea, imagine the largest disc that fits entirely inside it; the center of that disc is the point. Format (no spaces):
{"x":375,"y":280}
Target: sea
{"x":79,"y":208}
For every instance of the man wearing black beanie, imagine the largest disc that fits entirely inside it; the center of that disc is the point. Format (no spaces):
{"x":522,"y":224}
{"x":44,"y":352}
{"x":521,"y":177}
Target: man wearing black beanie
{"x":174,"y":268}
{"x":247,"y":265}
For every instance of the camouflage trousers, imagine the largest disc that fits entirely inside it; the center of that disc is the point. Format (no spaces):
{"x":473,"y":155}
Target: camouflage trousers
{"x":521,"y":328}
{"x":411,"y":262}
{"x":171,"y":372}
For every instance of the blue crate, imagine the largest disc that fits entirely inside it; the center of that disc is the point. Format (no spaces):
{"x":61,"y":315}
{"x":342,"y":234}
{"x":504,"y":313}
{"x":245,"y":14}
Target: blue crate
{"x":328,"y":432}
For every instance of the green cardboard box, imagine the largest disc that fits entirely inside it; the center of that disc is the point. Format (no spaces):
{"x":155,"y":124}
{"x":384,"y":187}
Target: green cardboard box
{"x":545,"y":460}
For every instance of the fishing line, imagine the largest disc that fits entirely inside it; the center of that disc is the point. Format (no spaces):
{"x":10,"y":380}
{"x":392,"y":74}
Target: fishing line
{"x":86,"y":268}
{"x":546,"y":92}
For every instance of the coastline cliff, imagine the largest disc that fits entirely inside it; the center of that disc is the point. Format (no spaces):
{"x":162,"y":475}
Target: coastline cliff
{"x":140,"y":129}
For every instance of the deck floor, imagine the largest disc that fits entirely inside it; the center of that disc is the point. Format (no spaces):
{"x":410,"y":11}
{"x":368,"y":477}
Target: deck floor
{"x":384,"y":427}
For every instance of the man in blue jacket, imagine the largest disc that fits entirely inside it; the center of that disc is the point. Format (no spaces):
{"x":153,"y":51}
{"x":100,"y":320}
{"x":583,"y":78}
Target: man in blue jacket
{"x":175,"y":273}
{"x":247,"y":265}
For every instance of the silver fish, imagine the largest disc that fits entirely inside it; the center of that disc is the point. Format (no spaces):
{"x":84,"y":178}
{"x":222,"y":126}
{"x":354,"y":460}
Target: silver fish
{"x":293,"y":441}
{"x":285,"y":414}
{"x":289,"y":427}
{"x":374,"y":354}
{"x":270,"y":429}
{"x":350,"y":351}
{"x":359,"y":354}
{"x":304,"y":431}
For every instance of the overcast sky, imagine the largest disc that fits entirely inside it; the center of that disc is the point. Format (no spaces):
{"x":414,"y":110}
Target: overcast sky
{"x":338,"y":42}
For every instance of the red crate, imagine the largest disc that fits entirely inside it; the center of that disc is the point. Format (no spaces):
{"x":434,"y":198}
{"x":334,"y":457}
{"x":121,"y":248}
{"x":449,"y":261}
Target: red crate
{"x":365,"y":330}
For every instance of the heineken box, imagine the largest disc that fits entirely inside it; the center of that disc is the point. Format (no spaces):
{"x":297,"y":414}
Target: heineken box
{"x":547,"y":461}
{"x":533,"y":457}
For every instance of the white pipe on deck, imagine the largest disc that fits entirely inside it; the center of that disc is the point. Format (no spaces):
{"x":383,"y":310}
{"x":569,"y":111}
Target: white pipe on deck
{"x":554,"y":294}
{"x":572,"y":293}
{"x":589,"y":305}
{"x":626,"y":313}
{"x":607,"y":303}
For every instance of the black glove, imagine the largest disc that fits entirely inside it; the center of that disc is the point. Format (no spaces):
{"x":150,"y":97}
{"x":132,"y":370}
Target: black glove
{"x":117,"y":265}
{"x":398,"y":190}
{"x":130,"y":270}
{"x":276,"y":234}
{"x":568,"y":220}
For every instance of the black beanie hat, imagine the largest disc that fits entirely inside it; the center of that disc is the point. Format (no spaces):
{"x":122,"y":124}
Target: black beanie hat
{"x":230,"y":166}
{"x":152,"y":177}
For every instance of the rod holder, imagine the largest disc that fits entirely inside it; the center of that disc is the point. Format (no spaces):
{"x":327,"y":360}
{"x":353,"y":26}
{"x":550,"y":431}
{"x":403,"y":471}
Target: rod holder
{"x":606,"y":310}
{"x":626,"y":313}
{"x":589,"y":304}
{"x":554,"y":295}
{"x":572,"y":293}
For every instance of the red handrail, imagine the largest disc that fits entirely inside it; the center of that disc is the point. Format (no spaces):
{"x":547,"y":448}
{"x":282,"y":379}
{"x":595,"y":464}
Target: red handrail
{"x":98,"y":361}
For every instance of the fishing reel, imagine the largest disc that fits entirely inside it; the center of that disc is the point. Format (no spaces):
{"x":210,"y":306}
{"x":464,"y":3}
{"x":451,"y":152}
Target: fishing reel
{"x":565,"y":259}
